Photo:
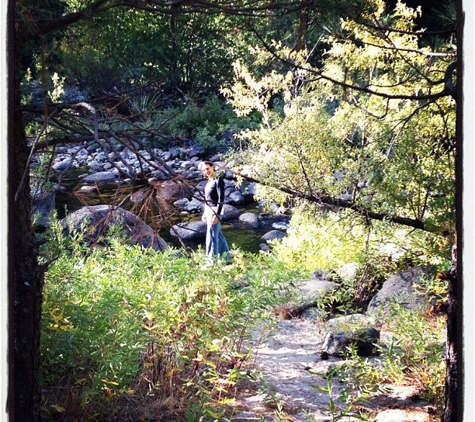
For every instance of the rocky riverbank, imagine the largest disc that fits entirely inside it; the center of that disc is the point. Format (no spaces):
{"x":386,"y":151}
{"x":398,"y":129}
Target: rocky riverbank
{"x":95,"y":172}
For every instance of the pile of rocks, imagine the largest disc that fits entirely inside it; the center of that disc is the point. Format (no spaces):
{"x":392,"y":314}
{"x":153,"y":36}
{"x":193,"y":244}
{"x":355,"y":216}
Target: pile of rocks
{"x":123,"y":165}
{"x":181,"y":183}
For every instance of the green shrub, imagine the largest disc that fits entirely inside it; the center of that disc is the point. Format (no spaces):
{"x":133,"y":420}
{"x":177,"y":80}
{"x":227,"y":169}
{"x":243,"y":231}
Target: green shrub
{"x":124,"y":320}
{"x":205,"y":123}
{"x":94,"y":71}
{"x":323,"y":244}
{"x":416,"y":352}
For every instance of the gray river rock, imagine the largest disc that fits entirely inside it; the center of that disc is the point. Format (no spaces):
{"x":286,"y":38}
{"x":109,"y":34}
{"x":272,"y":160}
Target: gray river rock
{"x":97,"y":172}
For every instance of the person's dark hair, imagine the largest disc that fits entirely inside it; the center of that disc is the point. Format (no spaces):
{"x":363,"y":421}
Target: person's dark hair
{"x":205,"y":163}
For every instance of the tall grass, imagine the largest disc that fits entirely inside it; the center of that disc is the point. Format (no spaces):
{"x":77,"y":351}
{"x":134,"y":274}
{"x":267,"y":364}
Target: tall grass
{"x":122,"y":321}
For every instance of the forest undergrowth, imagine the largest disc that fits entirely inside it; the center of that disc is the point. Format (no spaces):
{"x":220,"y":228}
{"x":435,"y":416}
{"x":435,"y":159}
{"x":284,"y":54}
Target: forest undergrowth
{"x":133,"y":334}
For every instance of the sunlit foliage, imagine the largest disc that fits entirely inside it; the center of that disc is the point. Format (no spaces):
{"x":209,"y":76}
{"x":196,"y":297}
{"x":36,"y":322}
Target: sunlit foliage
{"x":374,"y":126}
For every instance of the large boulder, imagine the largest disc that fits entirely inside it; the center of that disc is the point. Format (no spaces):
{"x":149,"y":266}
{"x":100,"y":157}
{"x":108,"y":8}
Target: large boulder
{"x":404,"y":289}
{"x":195,"y":230}
{"x":63,"y":164}
{"x":308,"y":294}
{"x":349,"y":322}
{"x":230,"y":212}
{"x":250,"y":220}
{"x":94,"y":223}
{"x":313,"y":289}
{"x":273,"y":235}
{"x":235,"y":197}
{"x":100,"y":177}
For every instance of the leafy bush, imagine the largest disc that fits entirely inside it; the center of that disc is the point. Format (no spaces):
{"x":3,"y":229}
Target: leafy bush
{"x":121,"y":320}
{"x":210,"y":124}
{"x":416,"y":352}
{"x":206,"y":123}
{"x":93,"y":71}
{"x":320,"y":241}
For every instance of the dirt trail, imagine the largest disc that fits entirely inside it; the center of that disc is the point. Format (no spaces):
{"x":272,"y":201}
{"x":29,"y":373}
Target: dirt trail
{"x":288,"y":361}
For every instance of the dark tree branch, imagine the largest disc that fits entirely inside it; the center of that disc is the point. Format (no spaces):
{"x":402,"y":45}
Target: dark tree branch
{"x":341,"y":203}
{"x":449,"y":89}
{"x":37,"y":26}
{"x":449,"y":85}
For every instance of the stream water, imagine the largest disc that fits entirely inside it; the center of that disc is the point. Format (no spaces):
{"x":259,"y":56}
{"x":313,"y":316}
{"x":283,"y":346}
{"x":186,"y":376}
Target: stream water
{"x":237,"y":235}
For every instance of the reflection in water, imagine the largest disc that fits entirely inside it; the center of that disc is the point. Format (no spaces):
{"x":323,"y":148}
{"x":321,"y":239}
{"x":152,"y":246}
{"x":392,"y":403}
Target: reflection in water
{"x":238,"y":238}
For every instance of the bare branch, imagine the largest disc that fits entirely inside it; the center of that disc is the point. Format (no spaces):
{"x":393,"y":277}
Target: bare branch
{"x":37,"y":26}
{"x":341,"y":203}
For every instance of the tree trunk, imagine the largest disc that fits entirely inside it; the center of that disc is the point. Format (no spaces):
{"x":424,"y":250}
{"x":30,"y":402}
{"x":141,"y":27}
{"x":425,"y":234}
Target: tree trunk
{"x":451,"y":359}
{"x":455,"y":356}
{"x":25,"y":276}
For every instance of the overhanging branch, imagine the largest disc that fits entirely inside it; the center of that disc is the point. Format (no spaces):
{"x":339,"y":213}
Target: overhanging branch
{"x":341,"y":203}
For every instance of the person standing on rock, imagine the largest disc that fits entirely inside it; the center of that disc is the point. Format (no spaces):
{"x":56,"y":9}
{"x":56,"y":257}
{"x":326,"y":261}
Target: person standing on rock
{"x":216,"y":244}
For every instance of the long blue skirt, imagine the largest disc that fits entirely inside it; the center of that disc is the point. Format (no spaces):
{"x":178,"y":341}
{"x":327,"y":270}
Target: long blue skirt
{"x":216,"y":243}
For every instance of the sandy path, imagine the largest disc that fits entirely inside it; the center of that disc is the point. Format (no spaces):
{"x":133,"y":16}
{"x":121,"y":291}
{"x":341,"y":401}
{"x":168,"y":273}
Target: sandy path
{"x":288,"y":360}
